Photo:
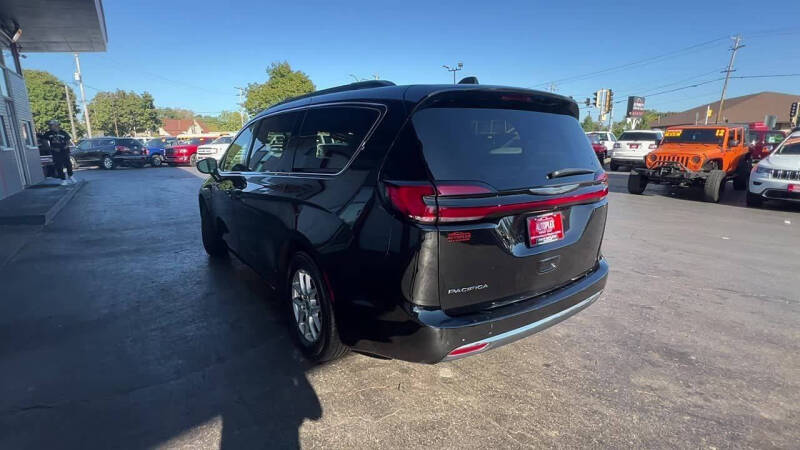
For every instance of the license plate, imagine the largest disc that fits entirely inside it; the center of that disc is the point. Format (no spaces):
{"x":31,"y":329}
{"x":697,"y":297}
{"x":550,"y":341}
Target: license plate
{"x":794,"y":188}
{"x":545,"y":228}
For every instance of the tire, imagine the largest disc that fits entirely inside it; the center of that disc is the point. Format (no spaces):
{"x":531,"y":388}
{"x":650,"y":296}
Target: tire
{"x":212,"y":241}
{"x":107,"y":163}
{"x":637,"y":183}
{"x":714,"y":186}
{"x":742,"y":175}
{"x":312,"y":320}
{"x":754,"y":200}
{"x":193,"y":160}
{"x":73,"y":162}
{"x":156,"y":161}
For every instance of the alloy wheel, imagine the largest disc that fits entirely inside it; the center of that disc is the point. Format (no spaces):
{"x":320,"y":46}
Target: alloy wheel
{"x":108,"y":163}
{"x":306,"y":306}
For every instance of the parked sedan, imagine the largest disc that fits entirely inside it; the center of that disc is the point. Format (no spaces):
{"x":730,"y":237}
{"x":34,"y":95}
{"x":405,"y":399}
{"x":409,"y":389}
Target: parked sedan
{"x":215,"y":149}
{"x":110,"y":152}
{"x":777,"y":177}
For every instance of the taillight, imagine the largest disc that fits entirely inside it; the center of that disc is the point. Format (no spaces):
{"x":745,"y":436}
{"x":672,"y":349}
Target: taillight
{"x":422,"y":203}
{"x":653,"y":146}
{"x":415,"y":201}
{"x":121,"y":148}
{"x":145,"y":152}
{"x":617,"y":145}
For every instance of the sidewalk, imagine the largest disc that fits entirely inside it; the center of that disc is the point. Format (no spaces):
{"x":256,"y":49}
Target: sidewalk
{"x":23,"y":214}
{"x":37,"y":204}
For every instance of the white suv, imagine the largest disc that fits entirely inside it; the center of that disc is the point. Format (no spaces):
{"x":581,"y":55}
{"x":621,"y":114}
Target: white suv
{"x":606,"y":138}
{"x":777,"y":177}
{"x":215,"y":149}
{"x":633,"y":146}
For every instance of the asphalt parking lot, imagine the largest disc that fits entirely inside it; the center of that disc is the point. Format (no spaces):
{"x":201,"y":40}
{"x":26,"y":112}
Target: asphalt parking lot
{"x":116,"y":331}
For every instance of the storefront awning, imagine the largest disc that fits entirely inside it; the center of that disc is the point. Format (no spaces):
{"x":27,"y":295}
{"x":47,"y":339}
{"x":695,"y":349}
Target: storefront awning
{"x":56,"y":25}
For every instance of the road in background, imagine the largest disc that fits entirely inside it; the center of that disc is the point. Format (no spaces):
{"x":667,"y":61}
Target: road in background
{"x":117,"y":331}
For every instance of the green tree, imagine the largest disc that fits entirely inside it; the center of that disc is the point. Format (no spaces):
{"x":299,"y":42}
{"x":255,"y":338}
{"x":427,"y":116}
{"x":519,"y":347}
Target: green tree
{"x":123,"y":113}
{"x":174,"y":113}
{"x":283,"y":83}
{"x":48,"y":99}
{"x":588,"y":124}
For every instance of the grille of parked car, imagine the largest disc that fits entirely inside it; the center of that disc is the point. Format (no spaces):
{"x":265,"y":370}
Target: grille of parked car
{"x":786,"y":174}
{"x":684,"y":160}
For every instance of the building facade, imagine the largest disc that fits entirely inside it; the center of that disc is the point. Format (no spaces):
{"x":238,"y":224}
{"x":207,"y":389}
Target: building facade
{"x":27,"y":27}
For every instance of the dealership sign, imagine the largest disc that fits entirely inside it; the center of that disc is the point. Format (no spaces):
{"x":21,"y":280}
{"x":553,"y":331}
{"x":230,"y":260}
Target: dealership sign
{"x":635,"y":106}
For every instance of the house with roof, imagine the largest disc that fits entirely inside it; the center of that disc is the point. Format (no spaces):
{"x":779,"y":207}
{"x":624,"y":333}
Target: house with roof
{"x":174,"y":127}
{"x":744,"y":109}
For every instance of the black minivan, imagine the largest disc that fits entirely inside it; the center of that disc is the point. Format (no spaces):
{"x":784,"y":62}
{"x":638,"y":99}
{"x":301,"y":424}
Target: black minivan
{"x":423,"y":223}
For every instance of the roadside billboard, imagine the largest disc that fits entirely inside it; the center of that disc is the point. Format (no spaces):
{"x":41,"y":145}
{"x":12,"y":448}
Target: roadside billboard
{"x":635,"y":107}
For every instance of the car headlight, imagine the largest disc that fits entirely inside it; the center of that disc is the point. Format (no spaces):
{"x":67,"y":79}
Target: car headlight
{"x":651,"y":157}
{"x":697,"y":159}
{"x":759,"y":168}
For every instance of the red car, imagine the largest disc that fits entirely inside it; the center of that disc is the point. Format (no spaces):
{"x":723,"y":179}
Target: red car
{"x":185,"y":152}
{"x":762,"y":140}
{"x":598,"y":147}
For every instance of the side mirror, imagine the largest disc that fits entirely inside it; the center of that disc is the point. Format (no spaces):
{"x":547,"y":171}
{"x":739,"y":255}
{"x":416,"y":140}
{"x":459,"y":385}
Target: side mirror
{"x":207,"y":166}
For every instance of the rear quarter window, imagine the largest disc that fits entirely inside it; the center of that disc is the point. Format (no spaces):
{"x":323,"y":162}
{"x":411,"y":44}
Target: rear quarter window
{"x":330,"y":136}
{"x":505,"y":148}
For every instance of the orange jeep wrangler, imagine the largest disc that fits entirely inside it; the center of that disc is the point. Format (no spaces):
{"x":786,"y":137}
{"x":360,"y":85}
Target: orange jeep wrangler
{"x":706,"y":156}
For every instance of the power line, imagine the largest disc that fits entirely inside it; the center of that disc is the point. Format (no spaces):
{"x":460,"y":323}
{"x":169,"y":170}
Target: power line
{"x":634,"y":63}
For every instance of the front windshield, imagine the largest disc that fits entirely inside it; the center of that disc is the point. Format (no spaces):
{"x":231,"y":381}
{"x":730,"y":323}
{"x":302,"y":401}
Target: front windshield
{"x":695,"y":136}
{"x":789,"y":148}
{"x":223,"y":140}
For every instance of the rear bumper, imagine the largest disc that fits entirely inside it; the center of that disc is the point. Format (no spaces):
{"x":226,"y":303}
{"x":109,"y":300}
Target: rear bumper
{"x":628,"y":160}
{"x":416,"y":334}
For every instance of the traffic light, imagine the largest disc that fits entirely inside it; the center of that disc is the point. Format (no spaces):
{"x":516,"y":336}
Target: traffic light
{"x":588,"y":102}
{"x":596,"y":99}
{"x":609,"y":99}
{"x":793,"y":110}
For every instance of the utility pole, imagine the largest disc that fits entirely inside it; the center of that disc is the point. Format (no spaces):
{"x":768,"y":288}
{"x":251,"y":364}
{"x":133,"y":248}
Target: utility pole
{"x":71,"y":113}
{"x":736,"y":46}
{"x":241,"y":104}
{"x":552,"y":87}
{"x":455,"y":69}
{"x":79,"y":79}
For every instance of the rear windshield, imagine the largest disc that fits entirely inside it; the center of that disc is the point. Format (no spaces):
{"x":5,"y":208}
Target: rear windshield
{"x":775,"y":138}
{"x":695,"y":136}
{"x":505,"y":148}
{"x":637,"y":136}
{"x":157,"y":143}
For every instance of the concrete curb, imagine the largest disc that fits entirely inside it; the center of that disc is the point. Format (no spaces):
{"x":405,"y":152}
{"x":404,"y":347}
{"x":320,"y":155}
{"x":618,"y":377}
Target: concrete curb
{"x":62,"y":202}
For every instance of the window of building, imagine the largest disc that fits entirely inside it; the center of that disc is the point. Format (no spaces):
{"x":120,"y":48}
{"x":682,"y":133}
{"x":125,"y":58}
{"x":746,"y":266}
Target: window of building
{"x":235,"y":157}
{"x":27,"y":133}
{"x":330,"y":136}
{"x":3,"y":83}
{"x":270,"y":145}
{"x":8,"y":60}
{"x":4,"y":134}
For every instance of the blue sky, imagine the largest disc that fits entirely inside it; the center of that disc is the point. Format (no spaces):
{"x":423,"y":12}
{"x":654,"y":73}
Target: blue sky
{"x":191,"y":54}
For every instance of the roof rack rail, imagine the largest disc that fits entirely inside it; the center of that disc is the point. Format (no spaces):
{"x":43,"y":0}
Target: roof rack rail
{"x":346,"y":87}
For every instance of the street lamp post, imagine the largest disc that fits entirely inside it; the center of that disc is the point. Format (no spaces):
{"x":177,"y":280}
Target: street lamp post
{"x":455,"y":69}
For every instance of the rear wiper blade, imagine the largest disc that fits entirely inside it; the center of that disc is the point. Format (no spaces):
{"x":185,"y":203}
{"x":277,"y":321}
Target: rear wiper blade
{"x":568,"y":172}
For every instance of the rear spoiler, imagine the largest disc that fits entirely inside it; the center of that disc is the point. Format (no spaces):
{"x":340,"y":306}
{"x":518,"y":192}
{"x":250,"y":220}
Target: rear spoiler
{"x":474,"y":96}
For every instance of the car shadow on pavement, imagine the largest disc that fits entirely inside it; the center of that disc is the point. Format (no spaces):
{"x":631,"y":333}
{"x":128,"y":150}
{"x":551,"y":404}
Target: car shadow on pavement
{"x":200,"y":358}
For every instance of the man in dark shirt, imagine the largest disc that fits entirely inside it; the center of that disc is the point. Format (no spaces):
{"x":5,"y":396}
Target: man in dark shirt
{"x":59,"y":145}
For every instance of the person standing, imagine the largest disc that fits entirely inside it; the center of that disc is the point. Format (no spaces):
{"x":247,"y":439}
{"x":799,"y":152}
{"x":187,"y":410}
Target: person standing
{"x":59,"y":145}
